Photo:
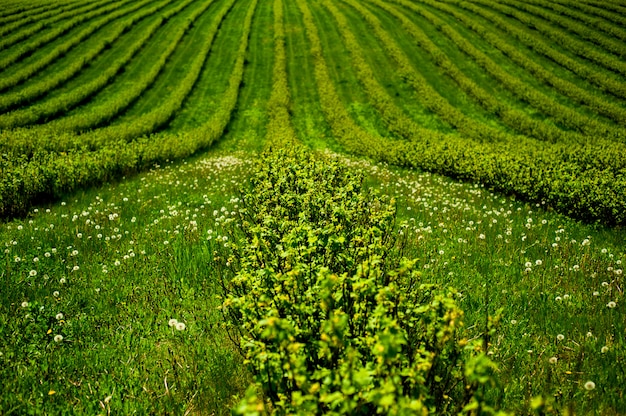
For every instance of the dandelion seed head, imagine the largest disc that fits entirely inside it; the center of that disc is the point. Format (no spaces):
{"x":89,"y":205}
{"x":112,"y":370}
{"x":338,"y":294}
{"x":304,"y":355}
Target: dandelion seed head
{"x":590,"y":385}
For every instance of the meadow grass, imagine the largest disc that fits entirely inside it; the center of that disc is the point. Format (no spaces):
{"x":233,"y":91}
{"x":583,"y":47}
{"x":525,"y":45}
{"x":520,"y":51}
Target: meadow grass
{"x":92,"y":285}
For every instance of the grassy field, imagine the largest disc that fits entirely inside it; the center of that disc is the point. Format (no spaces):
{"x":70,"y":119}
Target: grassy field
{"x":142,"y":193}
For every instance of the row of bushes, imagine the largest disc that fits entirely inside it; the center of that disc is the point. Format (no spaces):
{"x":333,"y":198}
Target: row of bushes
{"x":48,"y":174}
{"x":280,"y":130}
{"x":26,"y":48}
{"x":109,"y":108}
{"x":330,"y":316}
{"x":517,"y":119}
{"x":42,"y":16}
{"x":586,"y":32}
{"x":34,"y":90}
{"x":562,"y":38}
{"x":569,"y":89}
{"x":585,"y":181}
{"x":607,"y":82}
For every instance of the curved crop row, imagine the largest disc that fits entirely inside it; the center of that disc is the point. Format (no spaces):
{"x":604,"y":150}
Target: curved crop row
{"x":608,"y":83}
{"x":34,"y":90}
{"x":149,"y":122}
{"x":21,"y":10}
{"x":580,"y":95}
{"x":602,"y":9}
{"x":60,"y":51}
{"x":111,"y":107}
{"x":584,"y":31}
{"x":48,"y":36}
{"x":427,"y":94}
{"x":580,"y":48}
{"x":53,"y":14}
{"x":595,"y":22}
{"x":280,"y":131}
{"x":39,"y":26}
{"x":572,"y":178}
{"x":353,"y":137}
{"x":44,"y":174}
{"x":396,"y":119}
{"x":514,"y":118}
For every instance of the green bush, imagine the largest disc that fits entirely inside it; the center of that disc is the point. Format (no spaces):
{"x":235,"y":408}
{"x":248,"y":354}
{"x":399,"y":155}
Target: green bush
{"x":330,"y":315}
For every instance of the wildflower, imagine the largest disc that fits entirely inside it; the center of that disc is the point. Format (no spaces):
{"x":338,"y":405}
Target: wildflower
{"x":180,"y":326}
{"x":590,"y":385}
{"x":528,"y":264}
{"x":538,"y":262}
{"x":558,"y":299}
{"x":24,"y":304}
{"x":55,"y":293}
{"x":32,"y":273}
{"x":59,"y":316}
{"x":611,"y":305}
{"x":172,"y":322}
{"x":560,"y":337}
{"x":75,"y":268}
{"x":62,"y":280}
{"x":481,"y":236}
{"x":604,"y":349}
{"x":58,"y":338}
{"x":553,"y":360}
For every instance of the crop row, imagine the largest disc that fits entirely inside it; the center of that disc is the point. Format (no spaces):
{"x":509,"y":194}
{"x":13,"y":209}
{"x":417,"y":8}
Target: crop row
{"x":159,"y":116}
{"x":585,"y":70}
{"x":564,"y":176}
{"x":514,"y":118}
{"x":29,"y":70}
{"x":53,"y":14}
{"x":585,"y":18}
{"x":580,"y":95}
{"x":585,"y":32}
{"x":48,"y":173}
{"x":34,"y":90}
{"x":69,"y":99}
{"x":25,"y":49}
{"x":395,"y":118}
{"x":582,"y":49}
{"x":602,"y":9}
{"x":20,"y":10}
{"x":280,"y":131}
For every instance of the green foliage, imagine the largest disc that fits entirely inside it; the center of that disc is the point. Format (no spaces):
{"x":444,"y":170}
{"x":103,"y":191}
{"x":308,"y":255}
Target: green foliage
{"x":330,"y":315}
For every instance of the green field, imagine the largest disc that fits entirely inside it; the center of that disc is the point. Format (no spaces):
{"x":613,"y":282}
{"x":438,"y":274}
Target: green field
{"x":245,"y":167}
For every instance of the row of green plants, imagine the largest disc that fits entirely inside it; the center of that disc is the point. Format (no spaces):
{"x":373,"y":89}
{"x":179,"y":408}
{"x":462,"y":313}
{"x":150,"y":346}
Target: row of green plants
{"x":53,"y":13}
{"x":428,"y":95}
{"x":352,"y":136}
{"x":562,"y":38}
{"x":517,"y":119}
{"x":280,"y":131}
{"x":606,"y":81}
{"x":602,"y":9}
{"x":569,"y":89}
{"x":574,"y":179}
{"x":331,"y":317}
{"x":151,"y":121}
{"x":395,"y":118}
{"x":112,"y":106}
{"x":70,"y":99}
{"x":586,"y":32}
{"x":62,"y":49}
{"x":33,"y":90}
{"x":16,"y":10}
{"x":585,"y":18}
{"x":47,"y":173}
{"x":23,"y":49}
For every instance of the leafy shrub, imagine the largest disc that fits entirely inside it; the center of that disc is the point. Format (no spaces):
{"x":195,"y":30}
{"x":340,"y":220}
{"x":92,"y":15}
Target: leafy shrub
{"x":331,"y":317}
